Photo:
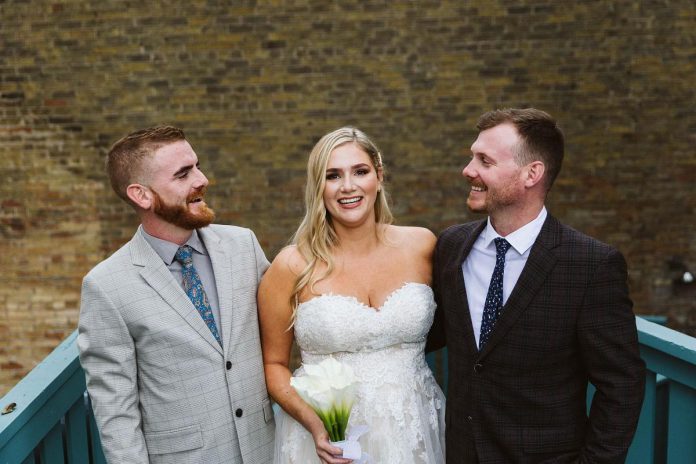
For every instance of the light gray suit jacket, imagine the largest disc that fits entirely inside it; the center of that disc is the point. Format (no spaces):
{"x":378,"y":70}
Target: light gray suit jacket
{"x":163,"y":390}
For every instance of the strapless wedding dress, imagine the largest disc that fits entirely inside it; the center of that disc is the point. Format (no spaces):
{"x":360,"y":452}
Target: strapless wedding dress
{"x":397,"y":396}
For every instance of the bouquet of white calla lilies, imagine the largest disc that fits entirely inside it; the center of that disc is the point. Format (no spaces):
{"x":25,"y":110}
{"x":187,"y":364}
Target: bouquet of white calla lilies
{"x":329,"y":388}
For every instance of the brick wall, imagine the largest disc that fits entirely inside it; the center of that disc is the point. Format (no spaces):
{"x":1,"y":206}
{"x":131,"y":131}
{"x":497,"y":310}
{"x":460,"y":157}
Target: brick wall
{"x":255,"y":84}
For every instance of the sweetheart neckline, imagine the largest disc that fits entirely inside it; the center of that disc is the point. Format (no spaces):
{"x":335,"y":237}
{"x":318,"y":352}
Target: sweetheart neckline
{"x":355,"y":299}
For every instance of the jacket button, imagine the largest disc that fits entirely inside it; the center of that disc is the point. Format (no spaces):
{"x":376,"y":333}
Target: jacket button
{"x":478,"y":368}
{"x":238,"y":413}
{"x":228,"y":364}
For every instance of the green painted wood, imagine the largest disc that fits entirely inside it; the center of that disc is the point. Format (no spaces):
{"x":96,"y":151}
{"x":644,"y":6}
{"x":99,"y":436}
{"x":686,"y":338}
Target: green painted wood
{"x":643,"y":445}
{"x":42,"y":398}
{"x":668,"y":352}
{"x":681,"y":446}
{"x":76,"y":433}
{"x":662,"y":320}
{"x":36,"y":390}
{"x":661,"y":413}
{"x":96,"y":452}
{"x":51,"y":448}
{"x":29,"y":460}
{"x":437,"y":360}
{"x":588,"y":397}
{"x":37,"y":426}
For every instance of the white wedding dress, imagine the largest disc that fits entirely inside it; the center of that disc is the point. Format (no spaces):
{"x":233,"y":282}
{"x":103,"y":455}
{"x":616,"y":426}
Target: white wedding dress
{"x":397,"y":396}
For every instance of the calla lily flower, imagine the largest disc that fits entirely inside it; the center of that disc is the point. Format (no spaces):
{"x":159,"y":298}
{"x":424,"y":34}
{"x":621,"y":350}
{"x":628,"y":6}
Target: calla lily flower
{"x":329,"y":389}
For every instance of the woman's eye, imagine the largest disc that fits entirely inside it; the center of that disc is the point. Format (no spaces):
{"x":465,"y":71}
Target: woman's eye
{"x":332,"y":176}
{"x":362,"y":172}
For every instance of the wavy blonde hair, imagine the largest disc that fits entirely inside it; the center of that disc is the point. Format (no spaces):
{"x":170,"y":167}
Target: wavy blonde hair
{"x":316,"y":237}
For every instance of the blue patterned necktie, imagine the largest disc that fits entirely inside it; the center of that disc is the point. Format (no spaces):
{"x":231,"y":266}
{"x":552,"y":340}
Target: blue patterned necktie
{"x":194,"y":289}
{"x":494,"y":298}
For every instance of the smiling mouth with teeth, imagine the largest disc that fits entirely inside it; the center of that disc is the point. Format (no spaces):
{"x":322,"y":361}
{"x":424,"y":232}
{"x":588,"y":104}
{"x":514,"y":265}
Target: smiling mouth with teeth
{"x":477,"y":188}
{"x":348,"y":201}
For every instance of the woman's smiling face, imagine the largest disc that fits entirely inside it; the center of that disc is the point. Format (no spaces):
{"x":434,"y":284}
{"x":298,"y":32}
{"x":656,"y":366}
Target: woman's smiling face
{"x":352,"y":183}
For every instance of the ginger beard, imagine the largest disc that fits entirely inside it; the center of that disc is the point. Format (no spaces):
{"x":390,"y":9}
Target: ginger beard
{"x":182,"y":215}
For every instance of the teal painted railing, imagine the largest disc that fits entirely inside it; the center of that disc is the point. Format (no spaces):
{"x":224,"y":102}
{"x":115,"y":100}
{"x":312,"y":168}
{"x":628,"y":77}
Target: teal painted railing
{"x":667,"y":428}
{"x":52,"y":421}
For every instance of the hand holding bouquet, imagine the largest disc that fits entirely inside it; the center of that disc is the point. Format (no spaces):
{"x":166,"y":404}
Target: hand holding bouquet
{"x":329,"y":388}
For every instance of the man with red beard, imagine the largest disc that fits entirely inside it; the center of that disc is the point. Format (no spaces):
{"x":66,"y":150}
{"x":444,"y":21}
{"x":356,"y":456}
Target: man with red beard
{"x":168,"y":331}
{"x":531,"y":311}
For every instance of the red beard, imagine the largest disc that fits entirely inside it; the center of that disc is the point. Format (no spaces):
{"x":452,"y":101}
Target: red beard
{"x":181,"y":215}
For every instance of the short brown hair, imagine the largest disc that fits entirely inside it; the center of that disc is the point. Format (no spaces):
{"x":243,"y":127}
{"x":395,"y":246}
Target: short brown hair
{"x":124,"y":163}
{"x":542,"y":138}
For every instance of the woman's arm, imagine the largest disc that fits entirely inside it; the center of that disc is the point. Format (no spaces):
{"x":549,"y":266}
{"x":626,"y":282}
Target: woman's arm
{"x":275,"y":317}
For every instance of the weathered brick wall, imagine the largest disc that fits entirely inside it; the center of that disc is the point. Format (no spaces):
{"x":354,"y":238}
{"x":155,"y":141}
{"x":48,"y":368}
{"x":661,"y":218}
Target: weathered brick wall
{"x":256,"y":83}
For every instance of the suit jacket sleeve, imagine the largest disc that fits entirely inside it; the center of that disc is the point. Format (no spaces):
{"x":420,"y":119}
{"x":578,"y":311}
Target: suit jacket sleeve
{"x":609,"y":346}
{"x":261,"y":262}
{"x":107,"y":354}
{"x":437,"y":336}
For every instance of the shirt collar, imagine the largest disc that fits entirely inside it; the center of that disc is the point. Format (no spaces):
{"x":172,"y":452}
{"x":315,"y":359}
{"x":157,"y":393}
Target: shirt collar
{"x":523,"y":238}
{"x":167,"y":250}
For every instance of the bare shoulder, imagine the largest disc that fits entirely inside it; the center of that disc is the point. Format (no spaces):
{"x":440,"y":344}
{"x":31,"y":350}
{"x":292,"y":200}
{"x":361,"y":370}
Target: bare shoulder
{"x":289,"y":259}
{"x":284,"y":269}
{"x":416,"y":238}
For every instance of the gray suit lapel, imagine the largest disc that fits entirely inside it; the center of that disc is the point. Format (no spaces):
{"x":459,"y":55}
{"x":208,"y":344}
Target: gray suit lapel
{"x":221,"y":260}
{"x":158,"y":276}
{"x":541,"y":261}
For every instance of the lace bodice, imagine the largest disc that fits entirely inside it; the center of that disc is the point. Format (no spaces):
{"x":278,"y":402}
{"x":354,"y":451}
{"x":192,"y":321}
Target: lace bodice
{"x":397,"y":396}
{"x":335,"y":323}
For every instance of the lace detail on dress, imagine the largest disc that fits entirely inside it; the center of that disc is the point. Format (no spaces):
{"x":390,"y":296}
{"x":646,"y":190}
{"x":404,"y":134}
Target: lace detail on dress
{"x":397,"y":395}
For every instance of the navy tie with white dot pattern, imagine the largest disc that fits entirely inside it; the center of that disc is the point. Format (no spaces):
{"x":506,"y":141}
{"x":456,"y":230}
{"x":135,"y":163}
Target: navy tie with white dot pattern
{"x":194,"y":289}
{"x":494,"y":298}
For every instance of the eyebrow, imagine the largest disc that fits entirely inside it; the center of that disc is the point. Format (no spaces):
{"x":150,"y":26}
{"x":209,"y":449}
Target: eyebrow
{"x":184,"y":169}
{"x":352,"y":167}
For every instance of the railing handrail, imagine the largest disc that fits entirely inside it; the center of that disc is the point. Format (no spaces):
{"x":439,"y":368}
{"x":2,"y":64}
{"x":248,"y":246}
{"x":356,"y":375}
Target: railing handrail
{"x":37,"y":388}
{"x":668,"y":352}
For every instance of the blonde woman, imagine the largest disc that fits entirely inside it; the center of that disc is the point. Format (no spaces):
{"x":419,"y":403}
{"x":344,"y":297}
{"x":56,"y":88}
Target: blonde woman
{"x":356,"y":288}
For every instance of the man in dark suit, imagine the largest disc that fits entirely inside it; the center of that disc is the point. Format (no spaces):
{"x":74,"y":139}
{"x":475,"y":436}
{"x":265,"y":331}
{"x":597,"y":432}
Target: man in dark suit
{"x":531,"y":310}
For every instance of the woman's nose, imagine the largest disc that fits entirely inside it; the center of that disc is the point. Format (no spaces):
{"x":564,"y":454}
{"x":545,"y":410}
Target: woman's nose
{"x":347,"y":184}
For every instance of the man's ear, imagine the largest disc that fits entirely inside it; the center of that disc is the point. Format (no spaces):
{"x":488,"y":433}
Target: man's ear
{"x":140,"y":195}
{"x":535,"y":173}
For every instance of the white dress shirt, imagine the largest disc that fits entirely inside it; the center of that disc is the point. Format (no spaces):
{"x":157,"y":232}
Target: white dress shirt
{"x":478,"y":266}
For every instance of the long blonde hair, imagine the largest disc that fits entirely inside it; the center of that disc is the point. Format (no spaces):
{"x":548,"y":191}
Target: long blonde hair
{"x":316,"y":237}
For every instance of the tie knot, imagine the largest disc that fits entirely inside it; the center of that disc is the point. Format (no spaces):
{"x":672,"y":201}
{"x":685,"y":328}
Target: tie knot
{"x":184,"y":255}
{"x":501,"y":246}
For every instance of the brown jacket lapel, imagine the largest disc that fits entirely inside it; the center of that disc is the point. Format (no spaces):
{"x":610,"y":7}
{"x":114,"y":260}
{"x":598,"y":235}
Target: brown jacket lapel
{"x":467,"y":242}
{"x":541,"y":261}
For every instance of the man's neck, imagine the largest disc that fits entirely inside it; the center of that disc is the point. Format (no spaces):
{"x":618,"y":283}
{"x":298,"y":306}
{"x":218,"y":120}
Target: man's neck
{"x":506,"y":222}
{"x":166,"y":231}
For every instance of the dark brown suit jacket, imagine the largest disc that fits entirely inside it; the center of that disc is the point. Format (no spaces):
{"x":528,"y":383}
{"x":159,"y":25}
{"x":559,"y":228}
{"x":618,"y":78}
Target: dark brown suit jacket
{"x":568,"y":321}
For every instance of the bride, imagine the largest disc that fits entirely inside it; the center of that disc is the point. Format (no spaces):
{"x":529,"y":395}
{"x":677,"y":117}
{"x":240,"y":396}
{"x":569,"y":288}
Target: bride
{"x":356,"y":288}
